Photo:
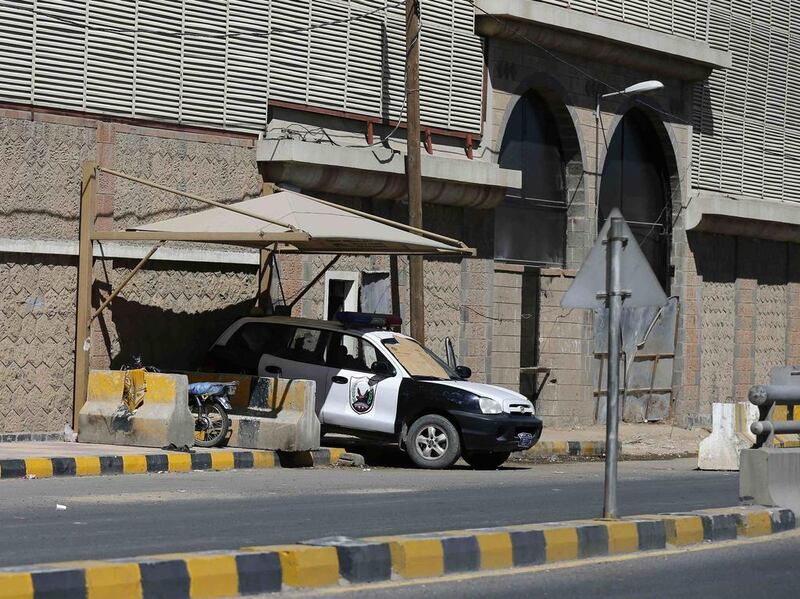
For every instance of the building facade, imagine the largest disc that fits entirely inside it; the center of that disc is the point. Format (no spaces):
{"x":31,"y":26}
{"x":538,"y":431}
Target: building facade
{"x":228,"y":97}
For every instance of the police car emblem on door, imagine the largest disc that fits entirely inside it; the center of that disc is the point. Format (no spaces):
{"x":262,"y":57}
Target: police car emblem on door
{"x":362,"y":395}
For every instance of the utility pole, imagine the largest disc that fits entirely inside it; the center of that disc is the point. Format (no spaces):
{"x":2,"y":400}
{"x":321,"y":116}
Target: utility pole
{"x":413,"y":168}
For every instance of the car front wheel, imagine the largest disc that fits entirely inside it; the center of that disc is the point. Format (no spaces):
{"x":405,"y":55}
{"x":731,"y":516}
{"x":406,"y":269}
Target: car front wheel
{"x":485,"y":460}
{"x":432,"y":442}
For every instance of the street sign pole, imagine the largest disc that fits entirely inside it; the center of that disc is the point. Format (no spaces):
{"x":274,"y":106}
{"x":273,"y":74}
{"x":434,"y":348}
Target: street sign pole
{"x":614,"y":296}
{"x":615,"y":271}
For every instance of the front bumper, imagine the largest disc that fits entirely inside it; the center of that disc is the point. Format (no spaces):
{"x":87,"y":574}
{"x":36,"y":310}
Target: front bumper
{"x":496,"y":432}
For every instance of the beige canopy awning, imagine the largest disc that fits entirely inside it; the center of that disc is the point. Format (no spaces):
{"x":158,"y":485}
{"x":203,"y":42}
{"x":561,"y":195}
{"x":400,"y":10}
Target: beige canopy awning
{"x":301,"y":224}
{"x":280,"y":222}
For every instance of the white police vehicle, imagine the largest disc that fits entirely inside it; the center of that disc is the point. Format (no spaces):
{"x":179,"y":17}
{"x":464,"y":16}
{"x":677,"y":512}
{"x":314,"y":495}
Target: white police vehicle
{"x":374,"y":382}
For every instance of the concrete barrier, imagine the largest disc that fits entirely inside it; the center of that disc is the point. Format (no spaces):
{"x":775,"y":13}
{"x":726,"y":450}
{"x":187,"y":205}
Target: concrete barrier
{"x":163,"y":419}
{"x":280,"y":417}
{"x":770,"y":476}
{"x":730,"y":434}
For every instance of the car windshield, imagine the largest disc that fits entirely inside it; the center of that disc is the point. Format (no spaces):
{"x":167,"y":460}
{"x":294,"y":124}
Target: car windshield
{"x":419,"y":361}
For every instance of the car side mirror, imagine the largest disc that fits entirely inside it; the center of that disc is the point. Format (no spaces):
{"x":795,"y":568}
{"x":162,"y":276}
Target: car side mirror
{"x":464,"y":372}
{"x":381,"y":368}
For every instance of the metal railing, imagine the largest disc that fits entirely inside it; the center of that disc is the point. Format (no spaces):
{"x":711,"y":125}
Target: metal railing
{"x":767,"y":397}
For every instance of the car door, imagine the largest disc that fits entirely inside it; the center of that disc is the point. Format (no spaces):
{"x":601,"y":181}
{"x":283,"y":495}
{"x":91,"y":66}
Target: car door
{"x":299,"y":354}
{"x":359,"y":398}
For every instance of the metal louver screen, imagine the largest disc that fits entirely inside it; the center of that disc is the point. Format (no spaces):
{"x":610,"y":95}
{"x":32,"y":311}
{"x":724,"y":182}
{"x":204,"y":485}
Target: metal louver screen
{"x":143,"y":58}
{"x":687,"y":18}
{"x":746,"y":119}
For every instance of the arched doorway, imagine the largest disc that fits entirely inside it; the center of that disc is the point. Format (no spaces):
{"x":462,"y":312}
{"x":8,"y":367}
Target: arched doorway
{"x":636,"y":180}
{"x":530,"y":224}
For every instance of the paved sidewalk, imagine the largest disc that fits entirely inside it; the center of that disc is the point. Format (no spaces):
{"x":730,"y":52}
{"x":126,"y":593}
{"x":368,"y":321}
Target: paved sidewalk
{"x":62,"y":449}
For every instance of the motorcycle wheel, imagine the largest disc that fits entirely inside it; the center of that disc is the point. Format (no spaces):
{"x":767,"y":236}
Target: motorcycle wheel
{"x":211,"y":424}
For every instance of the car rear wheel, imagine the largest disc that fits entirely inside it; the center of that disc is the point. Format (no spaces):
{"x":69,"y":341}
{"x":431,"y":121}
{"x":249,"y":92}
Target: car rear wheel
{"x":485,"y":460}
{"x":432,"y":442}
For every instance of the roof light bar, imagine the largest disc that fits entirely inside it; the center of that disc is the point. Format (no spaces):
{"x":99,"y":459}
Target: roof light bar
{"x":365,"y":319}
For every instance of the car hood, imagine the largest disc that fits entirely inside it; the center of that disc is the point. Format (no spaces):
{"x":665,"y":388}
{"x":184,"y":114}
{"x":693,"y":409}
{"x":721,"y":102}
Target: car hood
{"x":492,"y":391}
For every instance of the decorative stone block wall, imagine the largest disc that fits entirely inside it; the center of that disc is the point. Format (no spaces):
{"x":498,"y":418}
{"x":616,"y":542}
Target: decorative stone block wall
{"x":738,"y":321}
{"x":169,"y":314}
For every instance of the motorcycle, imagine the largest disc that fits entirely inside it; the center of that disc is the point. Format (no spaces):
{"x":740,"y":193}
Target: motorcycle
{"x":210,"y":404}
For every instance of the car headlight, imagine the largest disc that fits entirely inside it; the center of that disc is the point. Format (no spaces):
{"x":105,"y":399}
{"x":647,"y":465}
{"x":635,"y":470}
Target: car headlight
{"x":490,"y":406}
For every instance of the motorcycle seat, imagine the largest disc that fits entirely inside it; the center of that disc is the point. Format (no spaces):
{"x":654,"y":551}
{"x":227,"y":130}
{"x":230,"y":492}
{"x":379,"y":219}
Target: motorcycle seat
{"x":210,"y":388}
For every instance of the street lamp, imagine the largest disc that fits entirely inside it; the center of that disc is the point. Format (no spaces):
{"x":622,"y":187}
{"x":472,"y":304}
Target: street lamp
{"x":632,"y":90}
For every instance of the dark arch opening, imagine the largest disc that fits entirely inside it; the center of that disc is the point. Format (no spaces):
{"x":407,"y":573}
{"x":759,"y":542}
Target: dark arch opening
{"x":636,"y":180}
{"x":530,"y":223}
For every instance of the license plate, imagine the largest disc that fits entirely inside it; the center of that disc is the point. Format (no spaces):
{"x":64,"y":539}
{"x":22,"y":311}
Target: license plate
{"x":525,"y":440}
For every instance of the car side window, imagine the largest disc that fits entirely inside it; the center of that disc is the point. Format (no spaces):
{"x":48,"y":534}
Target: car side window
{"x":244,"y":348}
{"x":351,"y":353}
{"x":307,"y":345}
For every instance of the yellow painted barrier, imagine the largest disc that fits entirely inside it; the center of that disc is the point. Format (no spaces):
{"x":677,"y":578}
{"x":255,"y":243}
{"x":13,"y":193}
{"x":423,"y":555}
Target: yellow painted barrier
{"x":417,"y":558}
{"x":213,"y":576}
{"x":623,"y":537}
{"x":113,"y":581}
{"x":15,"y":585}
{"x":561,"y":544}
{"x":162,"y":419}
{"x":496,"y":551}
{"x":309,"y":566}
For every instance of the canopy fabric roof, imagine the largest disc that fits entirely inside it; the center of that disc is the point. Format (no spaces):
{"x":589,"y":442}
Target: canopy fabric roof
{"x":318,"y":227}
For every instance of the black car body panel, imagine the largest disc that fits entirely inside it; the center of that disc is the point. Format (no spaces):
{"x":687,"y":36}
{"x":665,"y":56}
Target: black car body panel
{"x":479,"y":431}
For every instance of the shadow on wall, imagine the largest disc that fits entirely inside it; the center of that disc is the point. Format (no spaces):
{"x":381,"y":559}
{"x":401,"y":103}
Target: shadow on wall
{"x":166,"y":339}
{"x":726,"y":258}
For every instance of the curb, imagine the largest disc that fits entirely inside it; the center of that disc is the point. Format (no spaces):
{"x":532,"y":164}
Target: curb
{"x":594,"y":449}
{"x":568,"y":448}
{"x":40,"y":467}
{"x":340,"y":560}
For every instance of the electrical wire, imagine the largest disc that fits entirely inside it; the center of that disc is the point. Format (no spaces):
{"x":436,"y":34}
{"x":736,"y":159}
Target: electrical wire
{"x":182,"y":33}
{"x":380,"y":142}
{"x":477,"y":312}
{"x":575,"y":67}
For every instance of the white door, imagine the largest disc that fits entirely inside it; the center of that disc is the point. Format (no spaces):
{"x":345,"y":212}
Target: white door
{"x":358,"y":398}
{"x":301,"y":358}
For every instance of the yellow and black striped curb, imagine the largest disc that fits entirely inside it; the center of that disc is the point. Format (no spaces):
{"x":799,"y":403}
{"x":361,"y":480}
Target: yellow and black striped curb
{"x":42,"y":467}
{"x":568,"y":448}
{"x":583,"y":449}
{"x":340,"y":560}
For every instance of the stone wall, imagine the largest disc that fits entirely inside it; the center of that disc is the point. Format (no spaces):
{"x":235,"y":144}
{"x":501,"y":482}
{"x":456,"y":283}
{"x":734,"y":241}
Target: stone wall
{"x":740,"y":315}
{"x":171,"y":311}
{"x":37,"y":332}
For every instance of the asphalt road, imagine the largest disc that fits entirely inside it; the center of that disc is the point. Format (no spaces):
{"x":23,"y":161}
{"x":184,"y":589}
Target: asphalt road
{"x":765,"y":569}
{"x":123,"y":516}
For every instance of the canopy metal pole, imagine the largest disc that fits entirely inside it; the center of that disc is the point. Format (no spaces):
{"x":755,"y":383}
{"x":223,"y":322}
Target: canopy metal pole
{"x":197,"y":198}
{"x":85,"y":282}
{"x":314,"y":280}
{"x":118,"y":290}
{"x":266,"y":268}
